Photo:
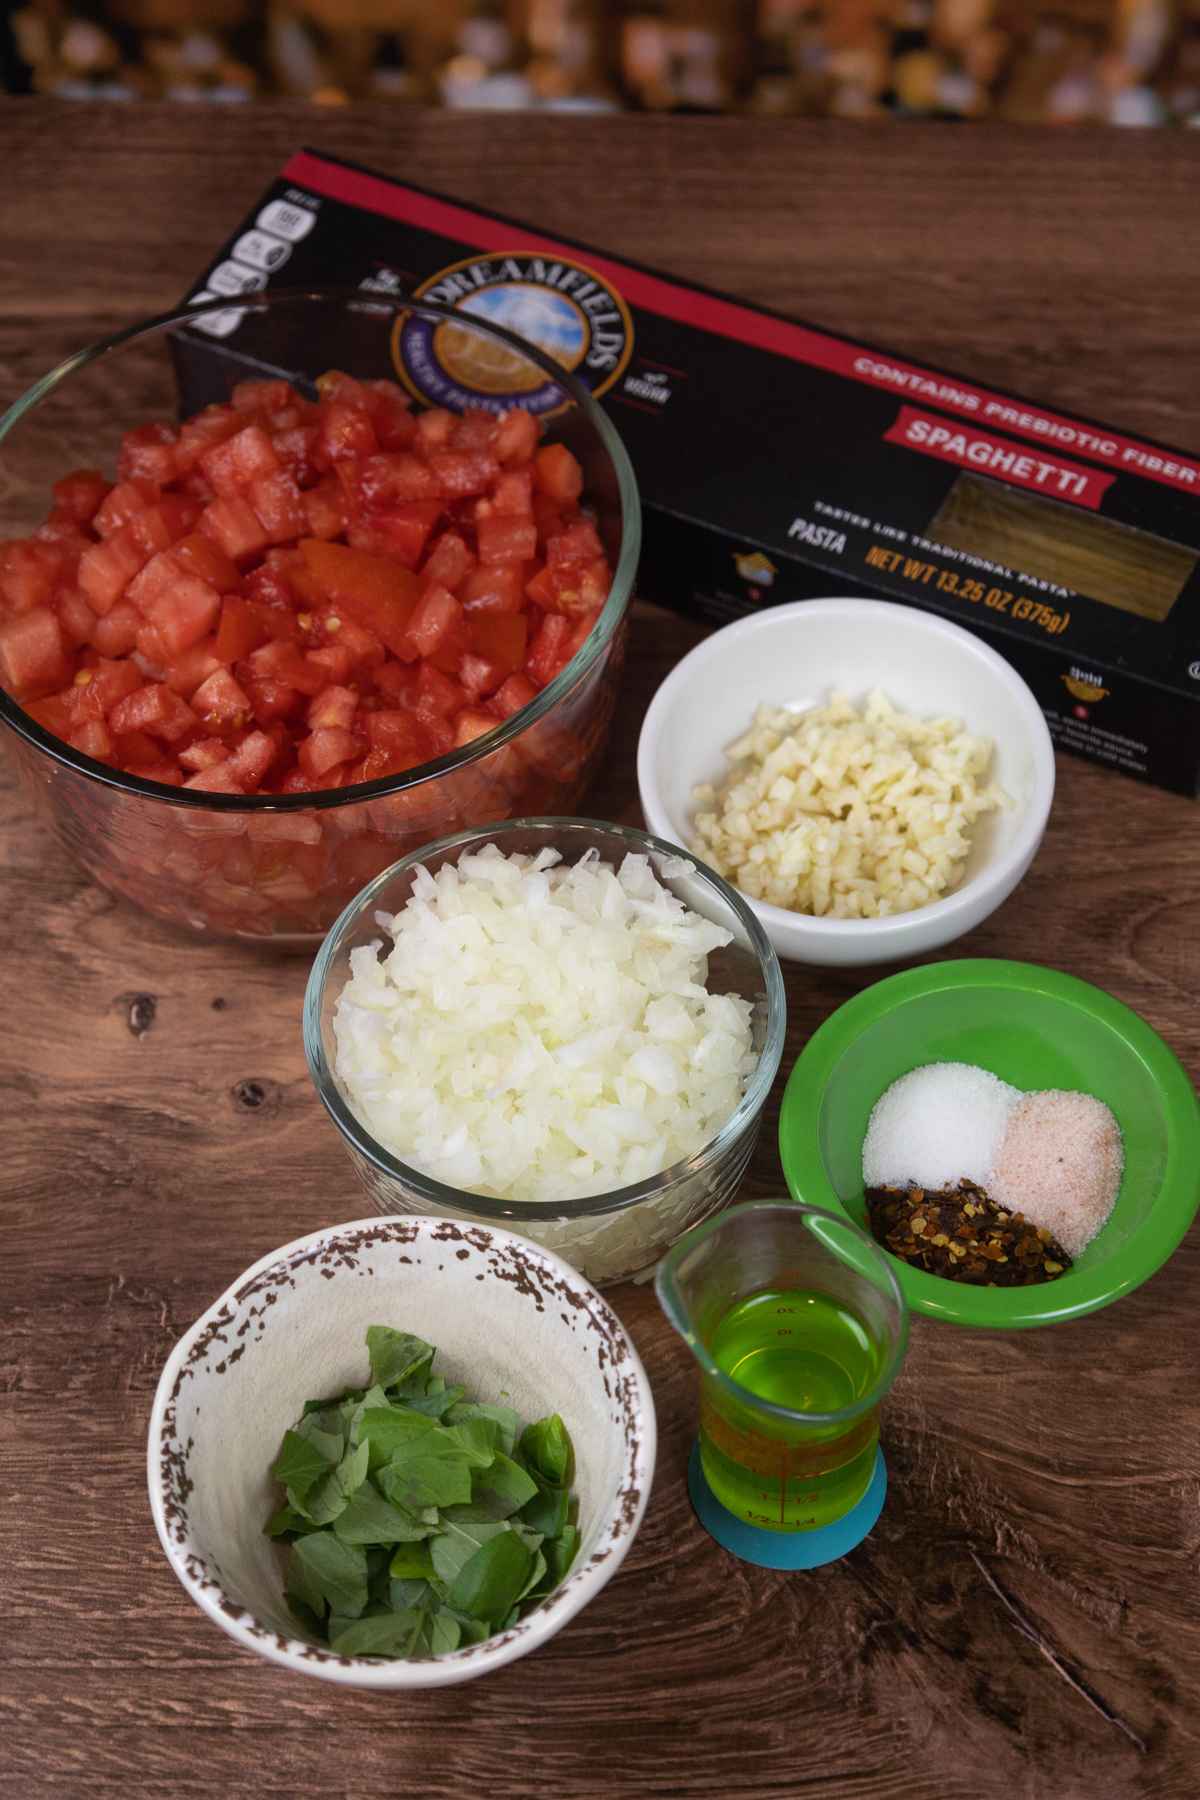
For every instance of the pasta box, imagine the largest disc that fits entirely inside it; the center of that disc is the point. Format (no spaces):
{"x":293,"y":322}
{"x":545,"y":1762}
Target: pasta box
{"x":778,"y":461}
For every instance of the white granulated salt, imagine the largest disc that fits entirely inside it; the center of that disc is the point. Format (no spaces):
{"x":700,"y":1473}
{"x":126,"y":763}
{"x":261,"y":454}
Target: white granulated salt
{"x":1060,"y":1163}
{"x":939,"y":1125}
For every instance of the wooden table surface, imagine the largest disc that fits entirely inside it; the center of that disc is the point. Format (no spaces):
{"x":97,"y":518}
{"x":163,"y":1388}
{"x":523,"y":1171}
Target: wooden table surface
{"x":1024,"y":1621}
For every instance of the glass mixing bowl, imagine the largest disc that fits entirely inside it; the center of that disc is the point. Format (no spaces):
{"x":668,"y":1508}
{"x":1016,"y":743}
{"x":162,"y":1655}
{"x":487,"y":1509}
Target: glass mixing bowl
{"x":281,"y":868}
{"x":607,"y":1237}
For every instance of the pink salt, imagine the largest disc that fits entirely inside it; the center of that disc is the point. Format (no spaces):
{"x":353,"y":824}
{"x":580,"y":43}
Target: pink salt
{"x":1060,"y":1163}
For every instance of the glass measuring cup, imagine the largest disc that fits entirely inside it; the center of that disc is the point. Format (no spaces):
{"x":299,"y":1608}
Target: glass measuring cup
{"x":800,"y":1328}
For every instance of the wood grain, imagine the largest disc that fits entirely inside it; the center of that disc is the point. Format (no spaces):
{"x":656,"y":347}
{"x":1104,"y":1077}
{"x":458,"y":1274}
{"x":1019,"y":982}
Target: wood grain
{"x":1024,"y":1621}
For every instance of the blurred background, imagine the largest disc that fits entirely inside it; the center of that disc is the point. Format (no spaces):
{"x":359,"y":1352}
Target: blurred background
{"x":1107,"y":62}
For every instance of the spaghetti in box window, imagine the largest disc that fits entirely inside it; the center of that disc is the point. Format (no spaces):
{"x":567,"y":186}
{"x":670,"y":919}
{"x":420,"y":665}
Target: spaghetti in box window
{"x":778,"y":461}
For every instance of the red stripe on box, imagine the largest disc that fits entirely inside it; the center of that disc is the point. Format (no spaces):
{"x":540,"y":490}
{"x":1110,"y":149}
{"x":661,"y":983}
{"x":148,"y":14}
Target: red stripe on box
{"x":726,"y":318}
{"x":1019,"y":464}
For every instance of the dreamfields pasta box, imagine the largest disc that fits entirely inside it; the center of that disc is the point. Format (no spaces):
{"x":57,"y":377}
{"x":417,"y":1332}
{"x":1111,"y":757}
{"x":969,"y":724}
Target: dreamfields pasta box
{"x":778,"y":462}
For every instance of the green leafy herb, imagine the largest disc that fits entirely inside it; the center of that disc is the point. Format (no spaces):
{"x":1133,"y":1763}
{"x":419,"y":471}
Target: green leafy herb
{"x":370,"y":1519}
{"x":418,"y":1521}
{"x":489,"y":1582}
{"x":396,"y":1356}
{"x":336,"y":1571}
{"x":301,"y":1461}
{"x":498,"y":1491}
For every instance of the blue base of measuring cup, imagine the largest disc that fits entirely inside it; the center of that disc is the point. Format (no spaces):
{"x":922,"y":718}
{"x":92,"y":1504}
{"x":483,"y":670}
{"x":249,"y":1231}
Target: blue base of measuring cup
{"x":786,"y":1549}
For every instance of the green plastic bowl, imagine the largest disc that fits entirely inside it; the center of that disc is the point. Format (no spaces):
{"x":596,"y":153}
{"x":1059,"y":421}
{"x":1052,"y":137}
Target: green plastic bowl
{"x":1036,"y":1028}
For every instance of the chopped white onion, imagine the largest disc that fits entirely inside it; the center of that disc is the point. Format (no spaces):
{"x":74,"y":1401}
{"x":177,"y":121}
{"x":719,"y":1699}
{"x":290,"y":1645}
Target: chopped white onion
{"x":541,"y":1032}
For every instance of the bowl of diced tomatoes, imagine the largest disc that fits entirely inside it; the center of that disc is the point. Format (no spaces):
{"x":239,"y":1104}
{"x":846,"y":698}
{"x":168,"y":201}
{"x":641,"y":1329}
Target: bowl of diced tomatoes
{"x":267,"y":621}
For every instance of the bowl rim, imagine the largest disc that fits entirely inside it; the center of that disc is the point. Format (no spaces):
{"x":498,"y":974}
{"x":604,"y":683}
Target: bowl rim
{"x":437,"y":1194}
{"x":612,"y":613}
{"x":940,"y":916}
{"x":1081,"y":1291}
{"x":581,"y":1583}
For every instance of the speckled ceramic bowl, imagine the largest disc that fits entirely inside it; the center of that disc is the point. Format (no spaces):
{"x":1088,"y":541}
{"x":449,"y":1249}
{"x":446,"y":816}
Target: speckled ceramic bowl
{"x":504,"y":1314}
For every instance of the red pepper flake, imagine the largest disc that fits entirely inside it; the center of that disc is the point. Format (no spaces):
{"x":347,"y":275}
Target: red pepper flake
{"x":962,"y":1234}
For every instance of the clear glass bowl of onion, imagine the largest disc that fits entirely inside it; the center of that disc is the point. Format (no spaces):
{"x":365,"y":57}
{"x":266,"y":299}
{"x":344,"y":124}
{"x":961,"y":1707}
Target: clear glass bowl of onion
{"x":612,"y":1235}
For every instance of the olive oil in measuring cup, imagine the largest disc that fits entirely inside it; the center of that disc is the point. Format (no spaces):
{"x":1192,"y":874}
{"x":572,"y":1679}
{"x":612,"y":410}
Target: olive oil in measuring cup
{"x":811,"y":1354}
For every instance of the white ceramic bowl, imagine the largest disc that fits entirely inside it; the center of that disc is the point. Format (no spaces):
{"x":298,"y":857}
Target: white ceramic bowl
{"x":793,"y":656}
{"x":504,"y":1315}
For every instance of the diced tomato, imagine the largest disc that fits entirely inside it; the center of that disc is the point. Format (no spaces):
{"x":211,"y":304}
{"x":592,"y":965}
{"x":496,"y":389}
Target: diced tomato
{"x":325,"y":749}
{"x":474,"y":429}
{"x":557,"y":473}
{"x":123,"y":502}
{"x":325,"y":508}
{"x":516,"y":692}
{"x":220,"y":779}
{"x":75,"y":616}
{"x":471,"y":724}
{"x":394,"y":477}
{"x":281,"y":661}
{"x":134,"y":749}
{"x":148,"y":452}
{"x":437,"y":693}
{"x":494,"y":587}
{"x":296,"y":450}
{"x":449,"y":562}
{"x":241,"y":629}
{"x":237,"y":462}
{"x":33,"y":656}
{"x":205,"y":753}
{"x":29,"y":573}
{"x":578,"y":543}
{"x":436,"y":626}
{"x":168,"y":773}
{"x":277,"y":501}
{"x":94,"y":692}
{"x":462,"y":472}
{"x":346,"y":431}
{"x":546,"y":653}
{"x":516,"y":436}
{"x":398,"y":733}
{"x":221,"y":702}
{"x":271,"y":700}
{"x":80,"y":493}
{"x":193,"y":666}
{"x":512,"y":496}
{"x":115,"y":634}
{"x":198,"y":555}
{"x":155,"y":710}
{"x":240,"y":611}
{"x":576,"y":588}
{"x":94,"y":739}
{"x":506,"y":540}
{"x":333,"y":706}
{"x":261,"y":396}
{"x":369,"y":590}
{"x":336,"y":662}
{"x":402,"y":531}
{"x":251,"y":759}
{"x":435,"y":428}
{"x":156,"y":527}
{"x":199,"y":433}
{"x":500,"y":637}
{"x":106,"y":570}
{"x":391,"y":414}
{"x":234,"y":526}
{"x":364,"y":649}
{"x":479,"y":675}
{"x":540,"y":588}
{"x":184,"y":614}
{"x":51,"y":714}
{"x":152,"y":654}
